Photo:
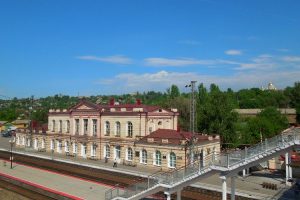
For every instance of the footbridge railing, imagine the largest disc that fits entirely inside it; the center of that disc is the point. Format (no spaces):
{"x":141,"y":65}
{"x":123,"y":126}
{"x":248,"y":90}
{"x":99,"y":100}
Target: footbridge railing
{"x":220,"y":162}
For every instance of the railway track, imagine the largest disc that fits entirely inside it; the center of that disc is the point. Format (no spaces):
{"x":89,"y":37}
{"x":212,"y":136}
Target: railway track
{"x":101,"y":176}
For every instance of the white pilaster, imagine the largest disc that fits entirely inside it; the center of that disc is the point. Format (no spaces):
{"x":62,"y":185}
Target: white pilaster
{"x":233,"y":187}
{"x":178,"y":194}
{"x":289,"y":166}
{"x":224,"y":188}
{"x":168,"y":195}
{"x":286,"y":168}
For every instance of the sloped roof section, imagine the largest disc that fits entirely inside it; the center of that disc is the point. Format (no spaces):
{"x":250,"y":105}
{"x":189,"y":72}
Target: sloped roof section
{"x":174,"y":137}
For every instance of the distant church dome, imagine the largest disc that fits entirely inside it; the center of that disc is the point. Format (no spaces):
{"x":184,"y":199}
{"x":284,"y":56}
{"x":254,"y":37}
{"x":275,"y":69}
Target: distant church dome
{"x":271,"y":86}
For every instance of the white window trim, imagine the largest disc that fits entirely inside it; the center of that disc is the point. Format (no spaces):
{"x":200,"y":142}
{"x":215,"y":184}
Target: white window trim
{"x":83,"y":154}
{"x":105,"y":152}
{"x":141,"y":157}
{"x":93,"y":151}
{"x":115,"y":152}
{"x":169,"y":161}
{"x":94,"y":127}
{"x":59,"y":147}
{"x":43,"y":143}
{"x":127,"y":154}
{"x":35,"y":143}
{"x":75,"y":148}
{"x":155,"y":160}
{"x":66,"y":147}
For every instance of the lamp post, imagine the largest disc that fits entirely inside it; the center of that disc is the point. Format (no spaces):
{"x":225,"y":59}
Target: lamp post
{"x":192,"y":119}
{"x":11,"y":152}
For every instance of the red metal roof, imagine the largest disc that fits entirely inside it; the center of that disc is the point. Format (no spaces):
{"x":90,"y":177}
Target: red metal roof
{"x":173,"y":136}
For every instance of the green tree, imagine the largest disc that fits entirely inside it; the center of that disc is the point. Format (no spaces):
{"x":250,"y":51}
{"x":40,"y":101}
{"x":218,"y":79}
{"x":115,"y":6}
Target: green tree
{"x":215,"y":115}
{"x":174,"y":91}
{"x":268,"y":123}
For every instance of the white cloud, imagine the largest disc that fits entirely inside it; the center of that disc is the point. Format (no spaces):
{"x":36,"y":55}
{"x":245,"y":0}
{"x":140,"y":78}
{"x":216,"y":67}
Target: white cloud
{"x":291,"y":58}
{"x":177,"y":62}
{"x":283,"y":50}
{"x":159,"y":81}
{"x":233,"y":52}
{"x":261,"y":62}
{"x":116,"y":59}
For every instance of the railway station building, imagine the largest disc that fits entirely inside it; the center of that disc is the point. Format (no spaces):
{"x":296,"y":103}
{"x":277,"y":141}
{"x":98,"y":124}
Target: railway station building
{"x":131,"y":134}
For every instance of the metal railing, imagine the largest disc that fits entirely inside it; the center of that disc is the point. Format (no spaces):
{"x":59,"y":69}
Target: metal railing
{"x":222,"y":160}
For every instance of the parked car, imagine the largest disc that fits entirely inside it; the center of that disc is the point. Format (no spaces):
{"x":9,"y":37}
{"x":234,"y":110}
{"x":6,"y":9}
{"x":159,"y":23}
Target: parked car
{"x":6,"y":134}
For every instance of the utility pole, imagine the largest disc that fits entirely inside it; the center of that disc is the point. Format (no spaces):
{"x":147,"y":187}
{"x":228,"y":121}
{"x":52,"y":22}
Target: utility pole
{"x":192,"y":119}
{"x":29,"y":135}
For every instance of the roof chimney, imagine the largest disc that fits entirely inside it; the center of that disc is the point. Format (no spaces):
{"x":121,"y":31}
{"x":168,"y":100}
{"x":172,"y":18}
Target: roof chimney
{"x":112,"y":102}
{"x":138,"y":102}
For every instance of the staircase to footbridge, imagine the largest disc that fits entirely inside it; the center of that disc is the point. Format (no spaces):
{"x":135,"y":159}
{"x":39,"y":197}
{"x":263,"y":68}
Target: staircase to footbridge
{"x":227,"y":165}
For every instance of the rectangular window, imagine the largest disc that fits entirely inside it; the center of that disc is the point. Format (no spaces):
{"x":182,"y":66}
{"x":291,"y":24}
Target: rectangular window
{"x":53,"y":125}
{"x":68,"y":126}
{"x":60,"y":126}
{"x":83,"y":150}
{"x":67,"y":147}
{"x":76,"y":126}
{"x":74,"y":148}
{"x":107,"y":151}
{"x":107,"y":128}
{"x":59,"y":146}
{"x":85,"y":126}
{"x":43,"y":143}
{"x":94,"y":127}
{"x":93,"y":152}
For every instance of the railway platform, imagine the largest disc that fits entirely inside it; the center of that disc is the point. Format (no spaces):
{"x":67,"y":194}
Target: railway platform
{"x":60,"y":184}
{"x":249,"y":186}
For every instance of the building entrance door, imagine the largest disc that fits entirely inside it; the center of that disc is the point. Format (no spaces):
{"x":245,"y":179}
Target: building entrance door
{"x":118,"y":153}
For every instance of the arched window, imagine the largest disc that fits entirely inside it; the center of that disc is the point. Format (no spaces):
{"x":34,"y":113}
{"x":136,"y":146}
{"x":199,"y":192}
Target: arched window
{"x":159,"y":123}
{"x":107,"y":128}
{"x":43,"y":143}
{"x":117,"y":152}
{"x":107,"y":151}
{"x":35,"y":143}
{"x":52,"y":144}
{"x":172,"y":160}
{"x":157,"y":158}
{"x":53,"y":125}
{"x":144,"y":156}
{"x":129,"y":129}
{"x":129,"y":154}
{"x":83,"y":150}
{"x":67,"y":146}
{"x":93,"y":150}
{"x":59,"y":147}
{"x":75,"y":147}
{"x":118,"y":129}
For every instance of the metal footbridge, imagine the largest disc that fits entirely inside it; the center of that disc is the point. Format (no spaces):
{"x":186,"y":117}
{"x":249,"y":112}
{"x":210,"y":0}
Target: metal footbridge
{"x":228,"y":165}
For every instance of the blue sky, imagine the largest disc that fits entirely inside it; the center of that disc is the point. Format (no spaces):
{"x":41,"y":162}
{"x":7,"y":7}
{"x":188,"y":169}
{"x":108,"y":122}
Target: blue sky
{"x":115,"y":47}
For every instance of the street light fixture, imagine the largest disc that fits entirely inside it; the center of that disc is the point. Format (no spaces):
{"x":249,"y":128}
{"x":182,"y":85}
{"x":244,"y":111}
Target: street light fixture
{"x":192,"y":118}
{"x":11,"y":141}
